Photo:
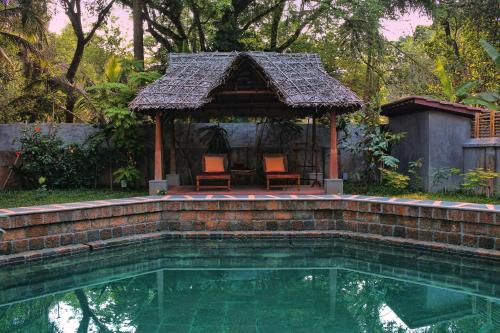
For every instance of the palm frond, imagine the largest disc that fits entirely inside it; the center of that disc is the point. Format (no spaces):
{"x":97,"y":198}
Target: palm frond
{"x":20,"y":41}
{"x":5,"y":57}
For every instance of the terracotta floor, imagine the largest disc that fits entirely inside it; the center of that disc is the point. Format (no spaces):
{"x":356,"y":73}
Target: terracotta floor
{"x":245,"y":190}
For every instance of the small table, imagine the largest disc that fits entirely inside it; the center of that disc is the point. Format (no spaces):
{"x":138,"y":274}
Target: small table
{"x":244,"y":173}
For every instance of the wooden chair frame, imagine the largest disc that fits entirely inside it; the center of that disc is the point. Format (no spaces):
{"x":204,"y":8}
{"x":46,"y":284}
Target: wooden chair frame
{"x":280,"y":175}
{"x":225,"y":176}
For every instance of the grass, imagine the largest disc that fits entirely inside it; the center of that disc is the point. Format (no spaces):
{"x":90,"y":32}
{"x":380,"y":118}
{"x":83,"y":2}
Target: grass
{"x":380,"y":190}
{"x":19,"y":198}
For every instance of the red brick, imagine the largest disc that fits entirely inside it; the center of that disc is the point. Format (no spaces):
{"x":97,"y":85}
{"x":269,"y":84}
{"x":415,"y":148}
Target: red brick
{"x":282,"y":215}
{"x":454,"y":238}
{"x":387,"y":230}
{"x":53,"y":241}
{"x":243,"y":216}
{"x":352,"y":205}
{"x":469,"y":240}
{"x":349,"y":215}
{"x":375,"y":207}
{"x":132,"y":219}
{"x":364,"y":207}
{"x":439,"y":213}
{"x":476,"y":228}
{"x":399,"y":232}
{"x":81,"y":226}
{"x":450,"y":226}
{"x":411,"y":233}
{"x":485,"y":217}
{"x":388,"y":208}
{"x":297,"y":225}
{"x":368,"y":217}
{"x":426,"y":212}
{"x":322,"y":224}
{"x":20,"y":246}
{"x":5,"y":248}
{"x":362,"y":227}
{"x":262,"y":215}
{"x":411,"y":222}
{"x":401,"y":210}
{"x":80,"y":237}
{"x":106,"y":234}
{"x":116,"y":232}
{"x":35,"y":219}
{"x":41,"y":230}
{"x":266,"y":205}
{"x":455,"y":215}
{"x":470,"y":216}
{"x":191,"y":216}
{"x":425,"y":235}
{"x":374,"y":228}
{"x":67,"y":239}
{"x":486,"y":242}
{"x":13,"y":234}
{"x":36,"y":243}
{"x":441,"y":237}
{"x":93,"y":235}
{"x":100,"y":223}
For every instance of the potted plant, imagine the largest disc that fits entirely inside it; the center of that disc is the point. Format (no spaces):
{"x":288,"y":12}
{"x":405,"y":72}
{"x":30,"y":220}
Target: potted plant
{"x":126,"y":175}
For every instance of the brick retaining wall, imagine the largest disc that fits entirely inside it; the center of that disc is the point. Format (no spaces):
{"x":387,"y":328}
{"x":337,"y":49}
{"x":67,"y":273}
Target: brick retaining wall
{"x":402,"y":223}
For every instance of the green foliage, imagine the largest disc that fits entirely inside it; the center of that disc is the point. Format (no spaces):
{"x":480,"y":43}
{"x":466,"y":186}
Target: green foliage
{"x":373,"y":142}
{"x":440,"y":176}
{"x":45,"y":157}
{"x":414,"y":171}
{"x":394,"y":179}
{"x":128,"y":174}
{"x":478,"y":180}
{"x":492,"y":52}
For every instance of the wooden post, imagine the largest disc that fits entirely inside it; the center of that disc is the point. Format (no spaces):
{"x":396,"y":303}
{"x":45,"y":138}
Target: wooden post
{"x":477,"y":124}
{"x":334,"y":168}
{"x":158,"y":148}
{"x":171,"y":144}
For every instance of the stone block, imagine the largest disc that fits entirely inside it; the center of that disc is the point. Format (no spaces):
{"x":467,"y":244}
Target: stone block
{"x":334,"y":186}
{"x":156,"y":186}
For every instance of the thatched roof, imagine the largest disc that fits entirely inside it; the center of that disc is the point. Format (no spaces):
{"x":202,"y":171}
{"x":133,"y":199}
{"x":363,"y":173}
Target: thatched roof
{"x":298,"y":80}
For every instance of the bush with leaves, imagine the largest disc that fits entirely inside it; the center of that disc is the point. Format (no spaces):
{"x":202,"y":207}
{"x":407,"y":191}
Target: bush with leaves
{"x":394,"y":179}
{"x":372,"y":142}
{"x":440,"y":176}
{"x":414,"y":167}
{"x":61,"y":166}
{"x":478,"y":180}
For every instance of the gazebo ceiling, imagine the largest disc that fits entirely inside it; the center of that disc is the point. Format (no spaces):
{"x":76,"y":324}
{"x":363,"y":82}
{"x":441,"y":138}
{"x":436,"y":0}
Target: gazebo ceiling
{"x":245,"y":84}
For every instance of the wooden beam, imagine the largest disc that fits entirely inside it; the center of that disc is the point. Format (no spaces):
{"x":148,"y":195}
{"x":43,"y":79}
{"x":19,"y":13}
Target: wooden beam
{"x":158,"y":148}
{"x":245,"y":92}
{"x":171,"y":144}
{"x":334,"y":169}
{"x":492,"y":123}
{"x":477,"y":124}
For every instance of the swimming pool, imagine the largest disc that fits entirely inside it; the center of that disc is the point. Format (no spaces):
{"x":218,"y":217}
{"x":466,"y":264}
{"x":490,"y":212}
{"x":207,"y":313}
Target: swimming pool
{"x":282,"y":285}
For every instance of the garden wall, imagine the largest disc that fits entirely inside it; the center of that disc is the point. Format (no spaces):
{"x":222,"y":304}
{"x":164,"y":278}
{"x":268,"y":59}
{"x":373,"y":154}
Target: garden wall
{"x":483,"y":153}
{"x":243,"y":138}
{"x":73,"y":227}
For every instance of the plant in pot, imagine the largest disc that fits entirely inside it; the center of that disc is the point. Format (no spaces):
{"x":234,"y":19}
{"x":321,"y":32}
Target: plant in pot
{"x":126,"y":175}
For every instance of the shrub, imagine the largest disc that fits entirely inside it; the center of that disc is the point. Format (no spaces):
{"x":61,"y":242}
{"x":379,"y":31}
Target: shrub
{"x":394,"y":179}
{"x":478,"y":180}
{"x":440,"y":176}
{"x":62,"y":166}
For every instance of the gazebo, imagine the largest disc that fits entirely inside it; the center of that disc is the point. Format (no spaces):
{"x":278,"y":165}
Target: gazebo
{"x":248,"y":84}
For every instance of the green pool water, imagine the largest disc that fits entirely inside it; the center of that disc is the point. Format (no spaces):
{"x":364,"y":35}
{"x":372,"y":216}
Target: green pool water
{"x":253,"y":286}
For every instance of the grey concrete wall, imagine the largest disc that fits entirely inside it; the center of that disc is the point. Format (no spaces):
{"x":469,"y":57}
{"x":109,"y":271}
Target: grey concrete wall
{"x":435,"y":136}
{"x":415,"y":145}
{"x":447,"y":134}
{"x":483,"y":153}
{"x":242,"y":137}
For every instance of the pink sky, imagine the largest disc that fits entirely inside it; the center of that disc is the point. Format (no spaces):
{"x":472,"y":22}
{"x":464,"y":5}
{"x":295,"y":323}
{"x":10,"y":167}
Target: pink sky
{"x":391,"y":29}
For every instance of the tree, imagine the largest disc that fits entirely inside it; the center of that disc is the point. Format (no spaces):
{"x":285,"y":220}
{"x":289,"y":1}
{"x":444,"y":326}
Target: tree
{"x":73,"y":9}
{"x":137,"y":6}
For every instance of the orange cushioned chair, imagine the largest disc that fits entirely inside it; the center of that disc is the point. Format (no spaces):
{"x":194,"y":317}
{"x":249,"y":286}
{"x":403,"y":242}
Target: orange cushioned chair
{"x":214,"y":168}
{"x":275,"y":167}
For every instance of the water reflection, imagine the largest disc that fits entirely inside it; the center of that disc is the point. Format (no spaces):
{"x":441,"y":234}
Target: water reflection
{"x":313,"y":299}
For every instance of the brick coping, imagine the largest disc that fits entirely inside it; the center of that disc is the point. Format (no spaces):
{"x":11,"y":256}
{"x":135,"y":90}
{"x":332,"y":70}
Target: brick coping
{"x":226,"y":197}
{"x":76,"y":249}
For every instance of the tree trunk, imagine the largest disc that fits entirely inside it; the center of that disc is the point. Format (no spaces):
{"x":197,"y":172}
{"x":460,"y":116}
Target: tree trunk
{"x":70,"y":76}
{"x":138,"y":31}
